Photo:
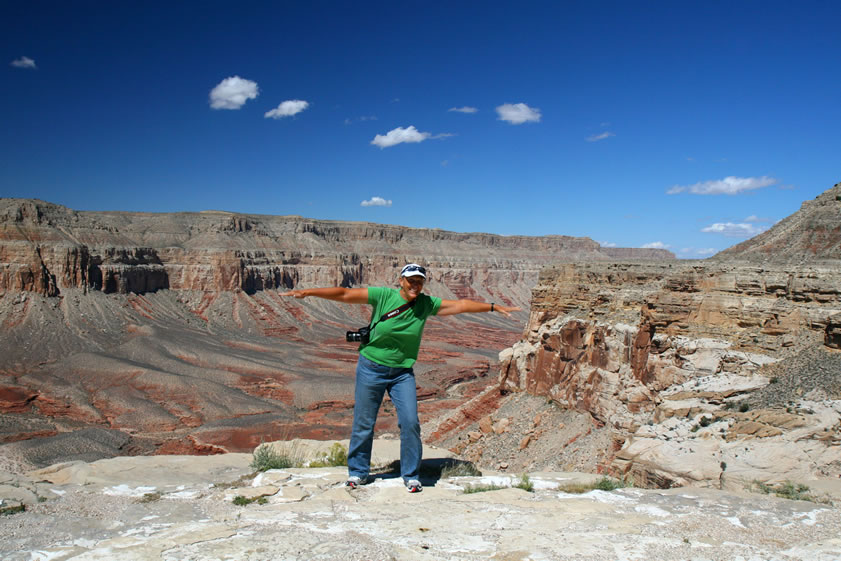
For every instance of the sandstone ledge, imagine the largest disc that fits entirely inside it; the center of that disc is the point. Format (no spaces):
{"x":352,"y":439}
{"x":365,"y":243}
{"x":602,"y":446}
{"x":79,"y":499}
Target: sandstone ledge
{"x":180,"y":508}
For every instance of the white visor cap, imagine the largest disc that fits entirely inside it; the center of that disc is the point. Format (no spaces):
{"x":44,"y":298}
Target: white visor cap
{"x":413,"y":270}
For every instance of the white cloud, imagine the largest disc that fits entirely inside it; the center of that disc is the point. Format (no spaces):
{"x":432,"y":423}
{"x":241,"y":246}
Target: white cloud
{"x":24,"y":62}
{"x":518,"y":113}
{"x":755,"y":218}
{"x":734,"y":230}
{"x":656,"y":245}
{"x":464,"y":109}
{"x":700,"y":252}
{"x":232,"y":93}
{"x":376,"y":201}
{"x":361,"y":119}
{"x":287,"y":109}
{"x":602,"y":136}
{"x":727,"y":186}
{"x":400,"y":135}
{"x":607,"y":244}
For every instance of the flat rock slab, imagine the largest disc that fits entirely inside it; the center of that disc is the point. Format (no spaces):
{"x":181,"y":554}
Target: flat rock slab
{"x":310,"y":515}
{"x":154,"y":471}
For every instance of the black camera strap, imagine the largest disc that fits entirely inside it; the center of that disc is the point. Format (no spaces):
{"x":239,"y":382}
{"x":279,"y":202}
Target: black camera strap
{"x":393,"y":313}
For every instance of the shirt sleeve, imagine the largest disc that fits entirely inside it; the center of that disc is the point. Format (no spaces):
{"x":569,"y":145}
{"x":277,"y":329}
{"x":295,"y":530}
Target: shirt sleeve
{"x":374,"y":294}
{"x":436,"y":305}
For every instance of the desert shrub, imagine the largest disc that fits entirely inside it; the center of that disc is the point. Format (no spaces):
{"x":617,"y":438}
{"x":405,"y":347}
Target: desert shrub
{"x":798,"y":492}
{"x":337,"y":456}
{"x":525,"y":484}
{"x":705,"y":421}
{"x":608,"y":484}
{"x":575,"y":488}
{"x":239,"y":500}
{"x":744,"y":407}
{"x":150,"y":497}
{"x":12,"y":509}
{"x":787,"y":490}
{"x":266,"y":457}
{"x":460,"y":469}
{"x":603,"y":484}
{"x":482,"y":488}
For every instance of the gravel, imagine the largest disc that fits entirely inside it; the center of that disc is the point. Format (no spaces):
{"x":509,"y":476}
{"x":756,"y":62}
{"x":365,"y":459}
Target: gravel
{"x":814,"y":373}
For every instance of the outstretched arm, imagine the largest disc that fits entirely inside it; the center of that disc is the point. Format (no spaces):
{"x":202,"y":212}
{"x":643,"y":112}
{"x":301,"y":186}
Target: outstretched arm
{"x":338,"y":293}
{"x":453,"y":307}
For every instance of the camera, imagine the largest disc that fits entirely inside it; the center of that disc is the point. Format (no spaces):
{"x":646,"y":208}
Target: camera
{"x":363,"y":335}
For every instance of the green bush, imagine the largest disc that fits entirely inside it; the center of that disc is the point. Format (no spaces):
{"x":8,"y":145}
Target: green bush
{"x":337,"y":456}
{"x":239,"y":500}
{"x":525,"y":484}
{"x":608,"y":484}
{"x":787,"y":490}
{"x":266,"y":457}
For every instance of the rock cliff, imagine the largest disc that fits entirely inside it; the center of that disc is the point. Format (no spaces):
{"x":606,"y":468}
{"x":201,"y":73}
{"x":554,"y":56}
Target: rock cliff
{"x":709,"y":373}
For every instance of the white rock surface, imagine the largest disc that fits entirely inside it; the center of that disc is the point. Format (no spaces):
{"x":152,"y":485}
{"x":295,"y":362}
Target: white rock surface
{"x":189,"y":515}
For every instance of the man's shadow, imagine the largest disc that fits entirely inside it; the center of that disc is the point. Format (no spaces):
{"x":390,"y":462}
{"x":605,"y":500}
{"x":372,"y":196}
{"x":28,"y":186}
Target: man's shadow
{"x":431,"y":471}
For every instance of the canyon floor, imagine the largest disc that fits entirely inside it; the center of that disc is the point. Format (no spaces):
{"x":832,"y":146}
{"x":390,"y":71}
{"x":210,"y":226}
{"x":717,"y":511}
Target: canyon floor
{"x":181,"y":507}
{"x":161,"y":380}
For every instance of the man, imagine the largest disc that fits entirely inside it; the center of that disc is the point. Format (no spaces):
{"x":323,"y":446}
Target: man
{"x":386,"y":360}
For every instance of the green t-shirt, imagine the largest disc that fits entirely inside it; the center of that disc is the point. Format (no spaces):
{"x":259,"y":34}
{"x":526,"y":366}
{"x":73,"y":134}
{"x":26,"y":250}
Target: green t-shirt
{"x":395,"y":342}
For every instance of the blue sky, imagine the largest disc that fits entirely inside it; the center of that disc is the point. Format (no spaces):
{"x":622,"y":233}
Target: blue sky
{"x":687,"y":125}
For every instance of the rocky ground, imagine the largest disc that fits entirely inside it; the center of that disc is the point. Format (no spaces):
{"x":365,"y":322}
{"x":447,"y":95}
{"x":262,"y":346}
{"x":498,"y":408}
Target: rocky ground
{"x":814,"y":372}
{"x":527,"y":433}
{"x":178,"y":507}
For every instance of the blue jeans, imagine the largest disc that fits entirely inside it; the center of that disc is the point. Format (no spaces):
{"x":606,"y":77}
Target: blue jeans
{"x":372,"y":381}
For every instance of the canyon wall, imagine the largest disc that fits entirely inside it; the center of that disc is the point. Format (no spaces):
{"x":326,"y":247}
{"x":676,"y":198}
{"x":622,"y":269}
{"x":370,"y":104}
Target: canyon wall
{"x":710,"y":372}
{"x":45,"y":248}
{"x":591,"y":319}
